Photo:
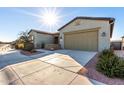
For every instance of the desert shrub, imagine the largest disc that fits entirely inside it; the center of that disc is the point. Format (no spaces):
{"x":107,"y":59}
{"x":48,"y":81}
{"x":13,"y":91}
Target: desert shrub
{"x":28,"y":46}
{"x":23,"y":42}
{"x":21,"y":46}
{"x":119,"y":71}
{"x":110,"y":65}
{"x":107,"y":53}
{"x":16,"y":47}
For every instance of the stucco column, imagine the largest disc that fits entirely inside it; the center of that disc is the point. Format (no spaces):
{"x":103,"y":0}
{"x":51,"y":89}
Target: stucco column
{"x":122,"y":45}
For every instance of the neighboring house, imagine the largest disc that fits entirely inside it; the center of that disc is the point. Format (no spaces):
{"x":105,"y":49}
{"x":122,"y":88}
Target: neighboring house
{"x":122,"y":46}
{"x":116,"y":45}
{"x":87,"y":33}
{"x":40,"y":38}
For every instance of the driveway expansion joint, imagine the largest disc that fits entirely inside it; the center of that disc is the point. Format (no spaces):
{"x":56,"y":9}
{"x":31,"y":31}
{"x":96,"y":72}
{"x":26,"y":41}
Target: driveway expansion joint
{"x":73,"y":79}
{"x":17,"y":76}
{"x":59,"y":67}
{"x":36,"y":71}
{"x":56,"y":65}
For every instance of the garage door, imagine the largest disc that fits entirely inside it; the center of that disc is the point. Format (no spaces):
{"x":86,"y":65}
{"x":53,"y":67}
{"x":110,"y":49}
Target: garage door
{"x":80,"y":40}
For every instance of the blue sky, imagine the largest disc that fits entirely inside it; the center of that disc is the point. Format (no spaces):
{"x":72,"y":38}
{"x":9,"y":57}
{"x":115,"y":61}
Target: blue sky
{"x":15,"y":20}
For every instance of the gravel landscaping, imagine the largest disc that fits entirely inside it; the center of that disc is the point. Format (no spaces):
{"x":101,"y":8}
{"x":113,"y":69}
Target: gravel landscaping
{"x":27,"y":53}
{"x":93,"y":74}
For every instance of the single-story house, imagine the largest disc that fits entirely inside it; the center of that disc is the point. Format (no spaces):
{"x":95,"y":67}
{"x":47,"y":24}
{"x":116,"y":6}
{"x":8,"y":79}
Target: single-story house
{"x":116,"y":44}
{"x":40,"y":38}
{"x":87,"y":33}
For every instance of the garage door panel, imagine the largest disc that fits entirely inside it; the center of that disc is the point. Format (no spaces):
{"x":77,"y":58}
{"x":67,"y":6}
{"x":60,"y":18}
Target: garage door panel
{"x":82,"y":41}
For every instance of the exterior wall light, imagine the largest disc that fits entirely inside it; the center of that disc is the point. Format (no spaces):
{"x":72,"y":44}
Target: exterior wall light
{"x":103,"y":34}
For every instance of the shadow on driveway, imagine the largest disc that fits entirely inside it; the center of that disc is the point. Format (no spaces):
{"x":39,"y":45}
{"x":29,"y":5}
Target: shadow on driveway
{"x":13,"y":57}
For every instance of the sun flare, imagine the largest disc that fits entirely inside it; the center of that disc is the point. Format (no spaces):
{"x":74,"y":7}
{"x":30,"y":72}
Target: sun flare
{"x":50,"y":17}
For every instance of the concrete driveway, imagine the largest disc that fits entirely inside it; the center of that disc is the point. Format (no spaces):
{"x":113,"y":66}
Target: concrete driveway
{"x":54,"y":69}
{"x":82,"y":57}
{"x":49,"y":67}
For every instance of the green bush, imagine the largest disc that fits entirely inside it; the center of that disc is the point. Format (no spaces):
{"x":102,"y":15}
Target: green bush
{"x":110,"y":65}
{"x":107,"y":53}
{"x":119,"y":71}
{"x":28,"y":46}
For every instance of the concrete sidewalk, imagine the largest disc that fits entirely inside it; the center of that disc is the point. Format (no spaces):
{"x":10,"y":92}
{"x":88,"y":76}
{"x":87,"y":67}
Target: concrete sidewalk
{"x":54,"y":69}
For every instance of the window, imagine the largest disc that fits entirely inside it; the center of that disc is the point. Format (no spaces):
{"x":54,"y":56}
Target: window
{"x":32,"y":38}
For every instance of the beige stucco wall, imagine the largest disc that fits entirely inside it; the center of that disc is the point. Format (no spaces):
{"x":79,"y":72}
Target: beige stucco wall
{"x":39,"y":39}
{"x":103,"y":42}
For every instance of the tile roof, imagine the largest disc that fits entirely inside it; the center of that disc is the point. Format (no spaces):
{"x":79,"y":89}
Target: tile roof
{"x":42,"y":32}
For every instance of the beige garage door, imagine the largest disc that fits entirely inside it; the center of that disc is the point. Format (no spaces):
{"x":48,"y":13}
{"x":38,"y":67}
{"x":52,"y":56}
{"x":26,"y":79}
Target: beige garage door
{"x":81,"y":40}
